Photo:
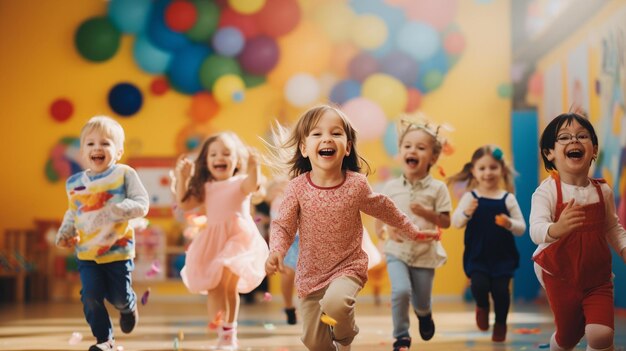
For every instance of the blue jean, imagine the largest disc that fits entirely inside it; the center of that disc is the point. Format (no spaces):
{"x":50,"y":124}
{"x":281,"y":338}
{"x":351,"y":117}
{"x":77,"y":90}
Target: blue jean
{"x":408,"y":284}
{"x":111,"y":281}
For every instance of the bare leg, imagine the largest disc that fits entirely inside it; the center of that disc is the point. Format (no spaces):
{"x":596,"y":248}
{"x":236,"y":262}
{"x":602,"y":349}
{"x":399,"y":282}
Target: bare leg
{"x":231,"y":296}
{"x":599,"y":337}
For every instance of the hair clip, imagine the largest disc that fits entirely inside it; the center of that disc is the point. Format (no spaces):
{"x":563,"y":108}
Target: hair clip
{"x":497,"y":153}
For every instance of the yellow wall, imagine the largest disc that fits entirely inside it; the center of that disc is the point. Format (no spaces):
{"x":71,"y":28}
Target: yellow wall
{"x":39,"y":64}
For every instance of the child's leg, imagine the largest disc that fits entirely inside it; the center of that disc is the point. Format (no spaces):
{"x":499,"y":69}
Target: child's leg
{"x":315,"y":334}
{"x":566,"y":305}
{"x":422,"y":286}
{"x":121,"y":294}
{"x":401,"y":291}
{"x":599,"y":316}
{"x":92,"y":294}
{"x":286,"y":286}
{"x":481,"y":285}
{"x":338,"y":302}
{"x":599,"y":337}
{"x":232,"y":296}
{"x":501,"y":298}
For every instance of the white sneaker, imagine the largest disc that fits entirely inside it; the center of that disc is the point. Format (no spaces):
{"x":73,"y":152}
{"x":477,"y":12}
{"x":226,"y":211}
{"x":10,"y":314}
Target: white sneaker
{"x":105,"y":346}
{"x":227,"y":339}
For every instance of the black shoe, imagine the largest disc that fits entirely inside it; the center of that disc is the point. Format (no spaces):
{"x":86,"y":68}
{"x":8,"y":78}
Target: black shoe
{"x":103,"y":346}
{"x":402,"y":344}
{"x":427,"y":326}
{"x":291,"y":315}
{"x":128,"y":321}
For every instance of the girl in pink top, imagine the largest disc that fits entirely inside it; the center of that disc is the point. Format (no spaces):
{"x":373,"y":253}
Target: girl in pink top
{"x":226,"y":257}
{"x":323,"y":202}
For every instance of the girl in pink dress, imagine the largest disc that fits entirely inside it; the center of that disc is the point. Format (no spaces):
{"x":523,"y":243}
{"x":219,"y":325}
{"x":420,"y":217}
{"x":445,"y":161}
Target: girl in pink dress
{"x":226,"y":258}
{"x":323,"y":202}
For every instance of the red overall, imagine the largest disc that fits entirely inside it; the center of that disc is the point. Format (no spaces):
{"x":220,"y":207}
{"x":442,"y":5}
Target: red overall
{"x":579,"y":284}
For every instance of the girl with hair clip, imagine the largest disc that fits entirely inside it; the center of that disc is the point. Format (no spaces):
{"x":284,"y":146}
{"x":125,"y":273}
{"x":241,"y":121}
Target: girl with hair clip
{"x":491,"y":216}
{"x":227,"y":257}
{"x":323,"y":203}
{"x":411,"y":264}
{"x":573,"y":222}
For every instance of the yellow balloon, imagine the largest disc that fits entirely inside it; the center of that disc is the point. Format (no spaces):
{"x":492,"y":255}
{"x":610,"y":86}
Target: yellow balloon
{"x":369,"y":32}
{"x":246,"y":7}
{"x":335,"y":19}
{"x":386,"y":91}
{"x":228,"y":88}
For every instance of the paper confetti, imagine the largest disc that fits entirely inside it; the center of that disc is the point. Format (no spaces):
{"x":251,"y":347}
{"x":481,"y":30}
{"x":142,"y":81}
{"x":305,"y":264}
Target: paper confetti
{"x":326,"y":319}
{"x":75,"y":338}
{"x":145,"y":296}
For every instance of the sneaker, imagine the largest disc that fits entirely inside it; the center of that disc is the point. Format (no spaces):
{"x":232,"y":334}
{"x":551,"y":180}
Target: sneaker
{"x":128,"y":321}
{"x":402,"y":344}
{"x":427,"y":326}
{"x":107,"y":345}
{"x":482,"y":318}
{"x":227,"y":338}
{"x":342,"y":347}
{"x":291,"y":315}
{"x":499,"y":332}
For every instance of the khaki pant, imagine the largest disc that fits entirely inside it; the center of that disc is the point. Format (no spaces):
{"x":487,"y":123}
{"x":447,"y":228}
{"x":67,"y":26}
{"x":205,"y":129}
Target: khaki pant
{"x":337,"y":300}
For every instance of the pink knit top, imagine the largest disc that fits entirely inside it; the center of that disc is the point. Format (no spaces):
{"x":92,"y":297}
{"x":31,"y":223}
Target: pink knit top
{"x":330,"y":228}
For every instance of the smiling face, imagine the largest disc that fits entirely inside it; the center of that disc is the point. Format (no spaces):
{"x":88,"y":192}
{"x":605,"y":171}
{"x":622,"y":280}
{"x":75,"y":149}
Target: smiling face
{"x":327,"y":144}
{"x":221,"y":159}
{"x":417,"y":154}
{"x":488,"y":172}
{"x":99,"y":151}
{"x":572,"y":156}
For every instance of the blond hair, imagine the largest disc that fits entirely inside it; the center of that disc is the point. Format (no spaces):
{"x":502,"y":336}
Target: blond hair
{"x":106,"y":126}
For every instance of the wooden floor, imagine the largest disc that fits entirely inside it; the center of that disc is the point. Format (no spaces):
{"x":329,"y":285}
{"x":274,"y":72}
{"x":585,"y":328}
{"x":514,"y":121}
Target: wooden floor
{"x":48,"y":326}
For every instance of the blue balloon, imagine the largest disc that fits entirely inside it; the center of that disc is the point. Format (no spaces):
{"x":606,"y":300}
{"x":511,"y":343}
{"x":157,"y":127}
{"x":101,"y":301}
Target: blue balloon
{"x":183,"y":71}
{"x":419,"y":40}
{"x":228,"y":41}
{"x":160,"y":34}
{"x":393,"y":16}
{"x":149,"y":57}
{"x":437,"y":66}
{"x":129,"y":16}
{"x":125,"y":99}
{"x":400,"y":65}
{"x":390,"y":139}
{"x":345,"y":90}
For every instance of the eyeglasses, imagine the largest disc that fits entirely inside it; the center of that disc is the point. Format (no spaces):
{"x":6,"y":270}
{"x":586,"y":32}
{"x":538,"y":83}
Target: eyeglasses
{"x":566,"y":138}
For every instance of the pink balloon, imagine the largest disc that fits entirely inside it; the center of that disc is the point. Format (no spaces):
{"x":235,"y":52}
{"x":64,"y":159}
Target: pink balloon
{"x":454,"y":43}
{"x":438,"y":13}
{"x":535,"y":84}
{"x":367,"y":118}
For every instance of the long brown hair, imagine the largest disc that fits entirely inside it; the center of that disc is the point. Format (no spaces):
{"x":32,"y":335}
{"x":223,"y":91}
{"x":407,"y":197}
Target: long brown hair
{"x":466,"y":173}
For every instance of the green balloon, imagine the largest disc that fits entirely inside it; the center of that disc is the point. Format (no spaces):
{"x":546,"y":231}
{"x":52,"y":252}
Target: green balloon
{"x":252,"y":81}
{"x":97,"y":39}
{"x":51,"y":174}
{"x":206,"y":22}
{"x":433,"y":79}
{"x":505,"y":90}
{"x":216,"y":66}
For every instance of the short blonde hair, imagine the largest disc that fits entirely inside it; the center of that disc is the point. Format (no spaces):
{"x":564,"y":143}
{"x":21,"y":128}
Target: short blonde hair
{"x":107,"y":126}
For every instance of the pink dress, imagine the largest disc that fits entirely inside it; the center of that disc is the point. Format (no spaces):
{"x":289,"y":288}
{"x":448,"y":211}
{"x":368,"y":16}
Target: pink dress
{"x":230,"y":239}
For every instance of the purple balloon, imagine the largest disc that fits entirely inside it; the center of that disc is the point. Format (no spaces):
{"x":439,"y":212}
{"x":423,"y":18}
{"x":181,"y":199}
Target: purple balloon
{"x":362,"y":66}
{"x":259,"y":55}
{"x":401,"y":66}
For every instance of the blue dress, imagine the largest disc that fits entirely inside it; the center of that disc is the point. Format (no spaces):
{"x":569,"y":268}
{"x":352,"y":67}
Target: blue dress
{"x":489,"y":248}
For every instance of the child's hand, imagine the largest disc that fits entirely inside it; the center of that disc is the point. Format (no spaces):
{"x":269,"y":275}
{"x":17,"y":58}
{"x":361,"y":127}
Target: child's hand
{"x":394,"y":234}
{"x":68,"y":242}
{"x":471,"y":208}
{"x":503,"y":221}
{"x":571,"y":219}
{"x":274,"y":263}
{"x":184,"y":168}
{"x":253,"y":157}
{"x":417,"y":209}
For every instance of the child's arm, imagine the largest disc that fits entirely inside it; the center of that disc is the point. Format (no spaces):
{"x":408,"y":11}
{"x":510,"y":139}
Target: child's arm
{"x":440,"y":219}
{"x":136,"y":203}
{"x":283,"y":230}
{"x":514,"y":223}
{"x":183,"y":171}
{"x":464,"y":210}
{"x":66,"y":236}
{"x":615,"y":233}
{"x":543,"y":229}
{"x":253,"y":180}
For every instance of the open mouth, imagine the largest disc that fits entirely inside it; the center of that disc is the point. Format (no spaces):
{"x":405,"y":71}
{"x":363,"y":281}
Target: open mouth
{"x":97,"y":159}
{"x":575,"y":154}
{"x":326,"y":152}
{"x":220,"y":167}
{"x":411,"y":162}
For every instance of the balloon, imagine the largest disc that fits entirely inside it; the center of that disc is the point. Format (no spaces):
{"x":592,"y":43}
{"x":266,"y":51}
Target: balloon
{"x":180,"y":15}
{"x":362,"y":66}
{"x":216,"y":66}
{"x":208,"y":15}
{"x":97,"y":39}
{"x":419,"y":40}
{"x":228,"y":88}
{"x":341,"y":57}
{"x":367,"y":118}
{"x":414,"y":99}
{"x":259,"y":55}
{"x":129,"y":16}
{"x":335,"y":19}
{"x":302,"y":90}
{"x":432,"y":80}
{"x":278,"y":17}
{"x":184,"y":70}
{"x":454,"y":43}
{"x":246,"y":6}
{"x":369,"y":32}
{"x":160,"y":34}
{"x":388,"y":92}
{"x":505,"y":90}
{"x":345,"y":90}
{"x":246,"y":24}
{"x":125,"y":99}
{"x":61,"y":109}
{"x":252,"y":81}
{"x":437,"y":13}
{"x":228,"y":41}
{"x":390,"y":139}
{"x":149,"y":57}
{"x":400,"y":65}
{"x":159,"y":86}
{"x":203,"y":107}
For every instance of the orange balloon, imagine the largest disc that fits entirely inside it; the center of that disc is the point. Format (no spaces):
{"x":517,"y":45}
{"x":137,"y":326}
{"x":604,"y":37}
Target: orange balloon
{"x":303,"y":50}
{"x":414,"y":101}
{"x":203,"y":107}
{"x":340,"y":60}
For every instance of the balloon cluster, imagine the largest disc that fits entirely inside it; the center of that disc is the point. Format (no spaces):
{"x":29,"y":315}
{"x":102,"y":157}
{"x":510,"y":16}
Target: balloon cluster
{"x":377,"y":58}
{"x":64,"y":159}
